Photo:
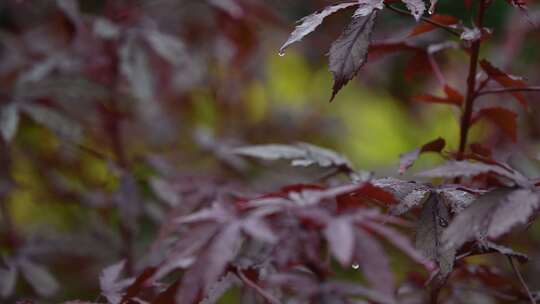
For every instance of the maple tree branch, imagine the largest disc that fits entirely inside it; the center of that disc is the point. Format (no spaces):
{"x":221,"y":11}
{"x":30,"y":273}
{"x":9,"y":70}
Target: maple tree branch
{"x":509,"y":90}
{"x":263,"y":293}
{"x":426,"y":20}
{"x":466,"y":118}
{"x":521,"y":280}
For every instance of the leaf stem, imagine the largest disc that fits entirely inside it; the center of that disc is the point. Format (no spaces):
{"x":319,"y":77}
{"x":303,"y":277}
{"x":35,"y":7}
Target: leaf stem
{"x":471,"y":84}
{"x":425,"y":19}
{"x":521,"y":280}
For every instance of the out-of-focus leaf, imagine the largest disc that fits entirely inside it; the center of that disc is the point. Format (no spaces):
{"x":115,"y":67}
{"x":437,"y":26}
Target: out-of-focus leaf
{"x":340,"y":236}
{"x":105,"y":29}
{"x":400,"y":241}
{"x":374,"y":262}
{"x":408,"y":159}
{"x":349,"y":52}
{"x":259,"y":229}
{"x":453,"y":97}
{"x":210,"y":264}
{"x":518,"y":3}
{"x":166,"y":191}
{"x":8,"y":280}
{"x":505,"y":80}
{"x":56,"y":122}
{"x":232,"y":7}
{"x":111,"y":284}
{"x":167,"y":46}
{"x":503,"y":118}
{"x":311,"y":22}
{"x":471,"y":34}
{"x":300,"y":155}
{"x":9,"y":121}
{"x":38,"y":277}
{"x":433,"y":219}
{"x":425,"y":27}
{"x":417,"y":7}
{"x":217,"y":289}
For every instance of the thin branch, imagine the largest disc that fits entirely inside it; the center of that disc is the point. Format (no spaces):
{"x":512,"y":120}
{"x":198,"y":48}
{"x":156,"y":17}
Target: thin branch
{"x":263,"y":293}
{"x":509,"y":90}
{"x":426,"y":20}
{"x":521,"y":280}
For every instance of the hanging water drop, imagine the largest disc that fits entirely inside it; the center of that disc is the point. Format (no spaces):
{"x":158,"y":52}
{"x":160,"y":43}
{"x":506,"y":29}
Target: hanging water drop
{"x":281,"y":54}
{"x":443,"y":222}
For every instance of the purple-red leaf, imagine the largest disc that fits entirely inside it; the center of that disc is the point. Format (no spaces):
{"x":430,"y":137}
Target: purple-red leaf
{"x":503,"y":118}
{"x":417,"y":7}
{"x":349,"y":52}
{"x":311,"y":22}
{"x":505,"y":80}
{"x":433,"y":219}
{"x":408,"y":159}
{"x":340,"y":236}
{"x":374,"y":262}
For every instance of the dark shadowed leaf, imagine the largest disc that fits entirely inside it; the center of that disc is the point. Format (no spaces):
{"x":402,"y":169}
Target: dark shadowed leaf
{"x":9,"y":121}
{"x":417,"y":7}
{"x":374,"y":262}
{"x":349,"y":52}
{"x":167,"y":46}
{"x":503,"y":118}
{"x":310,"y":23}
{"x":505,"y":80}
{"x":425,"y":27}
{"x":340,"y":236}
{"x":433,"y":219}
{"x":39,"y":278}
{"x":407,"y":160}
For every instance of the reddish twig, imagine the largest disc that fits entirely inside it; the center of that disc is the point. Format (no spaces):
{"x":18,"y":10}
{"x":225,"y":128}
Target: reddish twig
{"x":466,"y":118}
